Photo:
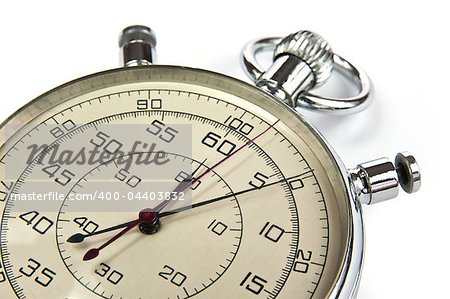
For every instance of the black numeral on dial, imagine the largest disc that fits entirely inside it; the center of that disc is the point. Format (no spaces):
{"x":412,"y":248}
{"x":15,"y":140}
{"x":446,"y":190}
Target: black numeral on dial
{"x":154,"y":104}
{"x":185,"y":177}
{"x":113,"y":277}
{"x":217,"y":227}
{"x":63,"y":128}
{"x":162,"y":131}
{"x":238,"y":125}
{"x":272,"y":232}
{"x":86,"y":225}
{"x":62,"y":176}
{"x":303,"y":260}
{"x":40,"y":224}
{"x":296,"y":184}
{"x":213,"y":140}
{"x":109,"y":145}
{"x":253,"y":283}
{"x":130,"y":180}
{"x":259,"y":180}
{"x":169,"y":274}
{"x":2,"y":274}
{"x":8,"y":187}
{"x":45,"y":277}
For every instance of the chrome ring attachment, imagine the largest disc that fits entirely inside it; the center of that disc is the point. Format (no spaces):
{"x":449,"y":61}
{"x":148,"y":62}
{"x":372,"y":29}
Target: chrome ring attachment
{"x":292,"y":74}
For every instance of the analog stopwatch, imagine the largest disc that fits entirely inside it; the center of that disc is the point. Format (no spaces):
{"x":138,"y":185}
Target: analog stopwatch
{"x":155,"y":181}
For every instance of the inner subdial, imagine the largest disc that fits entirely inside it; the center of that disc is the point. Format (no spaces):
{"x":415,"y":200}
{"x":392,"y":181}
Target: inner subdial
{"x":165,"y":258}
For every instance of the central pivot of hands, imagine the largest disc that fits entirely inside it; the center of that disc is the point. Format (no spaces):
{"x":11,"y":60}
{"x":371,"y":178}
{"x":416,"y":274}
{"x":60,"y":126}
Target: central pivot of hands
{"x":149,"y":222}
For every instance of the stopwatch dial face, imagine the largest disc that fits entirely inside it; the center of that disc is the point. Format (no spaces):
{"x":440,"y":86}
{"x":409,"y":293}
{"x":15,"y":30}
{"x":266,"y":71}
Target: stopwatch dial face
{"x":163,"y":182}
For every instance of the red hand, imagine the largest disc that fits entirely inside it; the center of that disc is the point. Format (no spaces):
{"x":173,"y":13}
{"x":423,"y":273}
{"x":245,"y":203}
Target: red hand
{"x":145,"y":216}
{"x":186,"y":186}
{"x":148,"y":216}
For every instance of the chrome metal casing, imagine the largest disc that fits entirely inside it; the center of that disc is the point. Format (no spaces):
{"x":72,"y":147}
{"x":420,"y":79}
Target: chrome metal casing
{"x":292,"y":80}
{"x":347,"y":282}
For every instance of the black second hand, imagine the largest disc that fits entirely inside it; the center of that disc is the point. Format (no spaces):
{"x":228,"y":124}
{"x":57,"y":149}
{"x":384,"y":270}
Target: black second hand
{"x":78,"y":238}
{"x":213,"y":200}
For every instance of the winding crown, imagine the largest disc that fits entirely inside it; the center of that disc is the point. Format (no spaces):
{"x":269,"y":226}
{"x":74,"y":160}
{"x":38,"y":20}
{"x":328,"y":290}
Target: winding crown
{"x":312,"y":49}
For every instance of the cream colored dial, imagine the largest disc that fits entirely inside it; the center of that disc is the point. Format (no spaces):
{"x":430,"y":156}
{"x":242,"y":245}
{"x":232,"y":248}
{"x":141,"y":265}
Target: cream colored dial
{"x":266,"y":218}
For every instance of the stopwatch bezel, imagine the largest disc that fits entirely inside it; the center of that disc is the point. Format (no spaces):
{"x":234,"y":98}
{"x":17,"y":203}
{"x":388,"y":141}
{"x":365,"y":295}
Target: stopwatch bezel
{"x":346,"y":284}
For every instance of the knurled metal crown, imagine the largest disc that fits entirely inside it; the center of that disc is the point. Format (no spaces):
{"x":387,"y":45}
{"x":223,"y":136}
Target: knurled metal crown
{"x":312,"y":49}
{"x":137,"y":33}
{"x":138,"y":44}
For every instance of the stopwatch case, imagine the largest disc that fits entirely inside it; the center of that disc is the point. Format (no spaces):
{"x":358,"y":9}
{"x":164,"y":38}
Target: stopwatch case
{"x":346,"y":285}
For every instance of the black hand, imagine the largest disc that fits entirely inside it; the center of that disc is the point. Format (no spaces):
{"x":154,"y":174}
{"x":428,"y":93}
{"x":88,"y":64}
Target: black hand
{"x":78,"y":238}
{"x":187,"y":185}
{"x":213,"y":200}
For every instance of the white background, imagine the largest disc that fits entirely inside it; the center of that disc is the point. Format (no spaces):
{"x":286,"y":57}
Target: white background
{"x":404,"y":47}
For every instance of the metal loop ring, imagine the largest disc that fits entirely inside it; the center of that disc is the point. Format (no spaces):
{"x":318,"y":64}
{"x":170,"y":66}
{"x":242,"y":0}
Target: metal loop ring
{"x":306,"y":99}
